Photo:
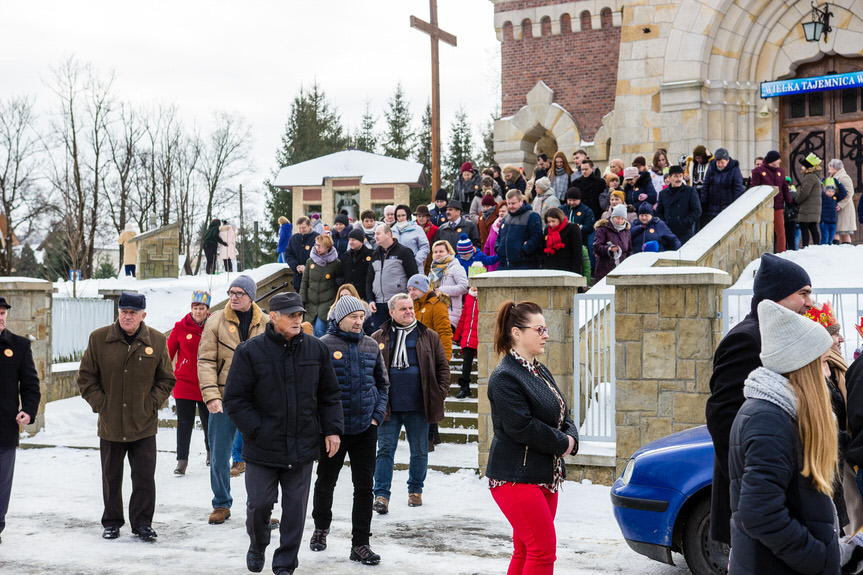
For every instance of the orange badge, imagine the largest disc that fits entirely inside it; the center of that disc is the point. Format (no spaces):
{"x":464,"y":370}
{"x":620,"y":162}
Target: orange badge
{"x":763,"y":173}
{"x":380,"y":345}
{"x":577,"y":213}
{"x":652,"y":231}
{"x":368,"y":258}
{"x":458,"y":230}
{"x":148,"y":350}
{"x":337,"y":355}
{"x":327,"y":276}
{"x":232,"y":329}
{"x":312,"y":266}
{"x":10,"y":353}
{"x":189,"y":336}
{"x":308,"y":247}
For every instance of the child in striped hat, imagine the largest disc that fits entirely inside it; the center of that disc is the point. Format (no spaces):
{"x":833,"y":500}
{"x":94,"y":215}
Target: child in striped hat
{"x":468,"y":254}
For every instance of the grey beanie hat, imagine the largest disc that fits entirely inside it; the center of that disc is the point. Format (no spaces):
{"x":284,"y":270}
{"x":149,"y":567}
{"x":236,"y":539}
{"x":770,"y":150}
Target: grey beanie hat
{"x":619,"y":211}
{"x":246,"y":284}
{"x":543,"y":184}
{"x":419,"y":282}
{"x":789,"y":341}
{"x":346,"y":306}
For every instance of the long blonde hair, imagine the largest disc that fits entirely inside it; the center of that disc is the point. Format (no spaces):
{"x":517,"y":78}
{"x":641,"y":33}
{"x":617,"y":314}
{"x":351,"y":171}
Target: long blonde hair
{"x":816,"y":425}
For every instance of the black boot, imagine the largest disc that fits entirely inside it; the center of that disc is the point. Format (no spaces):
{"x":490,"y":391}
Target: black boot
{"x":465,"y":390}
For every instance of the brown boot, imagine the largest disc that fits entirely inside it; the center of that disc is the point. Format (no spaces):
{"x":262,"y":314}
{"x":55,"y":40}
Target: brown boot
{"x":415,"y":500}
{"x":237,"y":468}
{"x":381,"y":505}
{"x":181,"y":467}
{"x":219,"y":515}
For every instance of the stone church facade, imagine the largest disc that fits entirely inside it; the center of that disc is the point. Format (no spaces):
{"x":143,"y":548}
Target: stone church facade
{"x":622,"y":78}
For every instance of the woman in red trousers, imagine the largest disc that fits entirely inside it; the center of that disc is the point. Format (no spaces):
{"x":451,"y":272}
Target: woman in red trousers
{"x":532,"y":435}
{"x":183,"y":345}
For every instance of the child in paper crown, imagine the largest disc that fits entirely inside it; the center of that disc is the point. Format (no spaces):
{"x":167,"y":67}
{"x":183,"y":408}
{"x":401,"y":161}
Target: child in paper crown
{"x":468,"y":255}
{"x":833,"y":193}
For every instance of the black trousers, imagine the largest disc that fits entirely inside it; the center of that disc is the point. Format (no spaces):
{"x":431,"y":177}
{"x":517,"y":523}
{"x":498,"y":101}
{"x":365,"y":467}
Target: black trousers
{"x":790,"y":233}
{"x":142,"y":462}
{"x":361,"y":449}
{"x":262,"y":490}
{"x":210,"y":253}
{"x":228,"y":265}
{"x":7,"y":467}
{"x":809,"y":229}
{"x":467,"y":353}
{"x":186,"y":423}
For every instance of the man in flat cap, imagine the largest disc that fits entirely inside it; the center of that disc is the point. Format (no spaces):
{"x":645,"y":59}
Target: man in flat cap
{"x":19,"y":385}
{"x":282,"y":430}
{"x":125,"y":376}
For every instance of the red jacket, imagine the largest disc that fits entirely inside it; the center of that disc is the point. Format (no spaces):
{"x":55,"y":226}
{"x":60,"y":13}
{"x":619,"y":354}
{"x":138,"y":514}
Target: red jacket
{"x":185,"y":338}
{"x":768,"y":176}
{"x":430,"y":231}
{"x":465,"y":334}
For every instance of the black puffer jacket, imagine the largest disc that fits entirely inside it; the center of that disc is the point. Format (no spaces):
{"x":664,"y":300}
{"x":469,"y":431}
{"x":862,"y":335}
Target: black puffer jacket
{"x":18,"y":379}
{"x":284,"y":397}
{"x":780,"y":523}
{"x":362,"y":376}
{"x":524,"y":415}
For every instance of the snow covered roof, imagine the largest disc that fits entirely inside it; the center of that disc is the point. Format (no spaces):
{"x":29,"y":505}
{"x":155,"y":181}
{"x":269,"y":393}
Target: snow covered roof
{"x":370,"y":168}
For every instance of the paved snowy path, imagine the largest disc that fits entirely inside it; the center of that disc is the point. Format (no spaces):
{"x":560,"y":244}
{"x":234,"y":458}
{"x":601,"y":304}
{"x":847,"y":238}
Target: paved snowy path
{"x":53,"y":521}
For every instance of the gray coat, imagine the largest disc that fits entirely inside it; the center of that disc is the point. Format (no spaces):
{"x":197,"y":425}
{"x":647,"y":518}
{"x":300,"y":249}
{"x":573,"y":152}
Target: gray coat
{"x":414,"y":238}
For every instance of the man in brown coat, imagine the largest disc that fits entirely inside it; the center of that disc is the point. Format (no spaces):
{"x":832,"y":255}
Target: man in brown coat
{"x":125,"y":376}
{"x":419,"y":383}
{"x":241,"y":320}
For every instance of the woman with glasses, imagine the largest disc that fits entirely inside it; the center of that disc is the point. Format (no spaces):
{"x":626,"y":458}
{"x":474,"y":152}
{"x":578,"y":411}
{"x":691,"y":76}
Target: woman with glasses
{"x":532,"y":435}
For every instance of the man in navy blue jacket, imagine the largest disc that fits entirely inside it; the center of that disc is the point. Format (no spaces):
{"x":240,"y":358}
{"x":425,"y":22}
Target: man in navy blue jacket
{"x":520,"y":237}
{"x":299,"y":249}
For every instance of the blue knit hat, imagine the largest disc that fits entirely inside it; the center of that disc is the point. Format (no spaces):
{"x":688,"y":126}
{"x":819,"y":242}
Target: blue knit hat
{"x":201,"y":296}
{"x":645,"y":208}
{"x":464,"y":247}
{"x":420,"y":282}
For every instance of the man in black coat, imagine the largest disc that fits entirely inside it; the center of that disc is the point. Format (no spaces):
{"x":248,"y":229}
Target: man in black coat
{"x":19,"y":382}
{"x":455,"y":226}
{"x":679,"y":206}
{"x":283,"y":395}
{"x":299,"y":249}
{"x":356,"y":260}
{"x":735,"y":358}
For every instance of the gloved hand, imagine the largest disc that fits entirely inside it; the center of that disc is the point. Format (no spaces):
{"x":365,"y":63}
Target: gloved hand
{"x":850,"y":558}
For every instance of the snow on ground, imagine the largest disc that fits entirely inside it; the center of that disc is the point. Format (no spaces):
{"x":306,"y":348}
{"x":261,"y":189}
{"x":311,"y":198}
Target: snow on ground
{"x":53,"y":524}
{"x":168,"y":299}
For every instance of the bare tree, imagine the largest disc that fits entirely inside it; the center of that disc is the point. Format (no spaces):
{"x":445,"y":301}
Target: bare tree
{"x":19,"y":146}
{"x":123,"y":134}
{"x":224,"y":155}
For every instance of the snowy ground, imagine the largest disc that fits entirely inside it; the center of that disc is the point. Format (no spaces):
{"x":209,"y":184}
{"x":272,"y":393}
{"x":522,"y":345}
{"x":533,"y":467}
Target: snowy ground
{"x":53,"y":520}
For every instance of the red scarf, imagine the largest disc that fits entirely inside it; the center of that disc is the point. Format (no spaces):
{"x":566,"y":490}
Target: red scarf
{"x":552,"y":240}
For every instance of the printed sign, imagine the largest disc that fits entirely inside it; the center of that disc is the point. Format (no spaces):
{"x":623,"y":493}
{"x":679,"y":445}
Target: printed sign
{"x":806,"y":85}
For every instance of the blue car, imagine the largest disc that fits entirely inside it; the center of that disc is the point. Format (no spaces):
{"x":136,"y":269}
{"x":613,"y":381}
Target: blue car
{"x":662,"y":501}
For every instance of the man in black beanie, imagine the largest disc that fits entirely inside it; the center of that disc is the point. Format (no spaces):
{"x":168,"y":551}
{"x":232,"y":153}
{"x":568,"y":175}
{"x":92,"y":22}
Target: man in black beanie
{"x":355,"y":261}
{"x":438,"y":212}
{"x":737,"y":355}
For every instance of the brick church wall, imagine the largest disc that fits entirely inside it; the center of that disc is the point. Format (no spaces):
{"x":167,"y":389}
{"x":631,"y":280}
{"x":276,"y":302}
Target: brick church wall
{"x":579,"y":66}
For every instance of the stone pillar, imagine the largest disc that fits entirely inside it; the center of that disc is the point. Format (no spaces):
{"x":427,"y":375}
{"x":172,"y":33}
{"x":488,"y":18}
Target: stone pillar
{"x":554,"y":292}
{"x":158,"y":252}
{"x":30,"y":317}
{"x":667,"y":326}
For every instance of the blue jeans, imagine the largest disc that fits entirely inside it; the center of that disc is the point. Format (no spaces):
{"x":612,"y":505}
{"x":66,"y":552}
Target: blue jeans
{"x":417,"y":432}
{"x":588,"y":241}
{"x":237,"y":448}
{"x":827,"y":233}
{"x":320,"y":327}
{"x":221,"y":435}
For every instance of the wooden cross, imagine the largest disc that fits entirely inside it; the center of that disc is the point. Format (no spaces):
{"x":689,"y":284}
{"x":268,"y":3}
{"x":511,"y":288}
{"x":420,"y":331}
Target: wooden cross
{"x":435,"y":33}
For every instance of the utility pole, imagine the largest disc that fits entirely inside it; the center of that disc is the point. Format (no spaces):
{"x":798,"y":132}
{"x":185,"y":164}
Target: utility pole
{"x":242,"y":233}
{"x":435,"y":33}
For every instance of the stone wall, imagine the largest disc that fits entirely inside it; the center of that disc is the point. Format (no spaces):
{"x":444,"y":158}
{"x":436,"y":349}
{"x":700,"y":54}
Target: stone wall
{"x":158,"y":252}
{"x":30,"y":316}
{"x":553,"y":291}
{"x":64,"y":382}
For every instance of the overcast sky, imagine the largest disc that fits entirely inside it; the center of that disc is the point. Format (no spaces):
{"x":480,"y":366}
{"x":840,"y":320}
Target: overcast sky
{"x":252,"y":57}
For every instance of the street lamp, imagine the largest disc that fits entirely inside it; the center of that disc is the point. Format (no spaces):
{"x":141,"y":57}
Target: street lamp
{"x":820,"y":24}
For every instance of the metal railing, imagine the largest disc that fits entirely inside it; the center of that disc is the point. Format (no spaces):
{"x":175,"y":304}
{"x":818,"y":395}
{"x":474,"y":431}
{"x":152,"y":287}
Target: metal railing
{"x":72,"y":320}
{"x":594,"y":366}
{"x":847,"y":304}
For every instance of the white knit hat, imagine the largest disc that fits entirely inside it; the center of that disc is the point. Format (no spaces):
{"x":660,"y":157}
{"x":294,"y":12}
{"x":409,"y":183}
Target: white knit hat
{"x":789,"y":341}
{"x":619,"y":211}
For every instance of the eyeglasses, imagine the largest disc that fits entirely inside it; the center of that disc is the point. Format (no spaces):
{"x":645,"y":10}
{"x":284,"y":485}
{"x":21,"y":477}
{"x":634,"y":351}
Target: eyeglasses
{"x":540,"y":329}
{"x":236,"y":294}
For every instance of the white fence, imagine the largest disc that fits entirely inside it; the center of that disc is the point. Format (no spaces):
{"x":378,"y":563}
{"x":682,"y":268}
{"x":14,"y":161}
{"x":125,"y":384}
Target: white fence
{"x":594,"y":365}
{"x":847,"y":304}
{"x":72,"y":320}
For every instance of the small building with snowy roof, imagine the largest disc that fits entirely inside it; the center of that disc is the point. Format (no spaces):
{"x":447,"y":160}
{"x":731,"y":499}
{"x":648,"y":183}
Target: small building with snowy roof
{"x":352,"y":180}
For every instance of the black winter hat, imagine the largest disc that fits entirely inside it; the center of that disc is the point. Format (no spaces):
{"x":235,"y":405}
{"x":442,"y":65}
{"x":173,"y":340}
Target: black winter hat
{"x":357,"y":234}
{"x":132,"y":300}
{"x":675,"y":170}
{"x":342,"y":219}
{"x":645,"y":208}
{"x":771,"y":157}
{"x":573,"y":194}
{"x":776,"y":279}
{"x":440,"y":195}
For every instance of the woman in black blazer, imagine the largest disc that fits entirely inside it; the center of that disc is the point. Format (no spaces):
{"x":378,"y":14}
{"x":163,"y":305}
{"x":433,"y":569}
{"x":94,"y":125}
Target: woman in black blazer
{"x":532,"y":434}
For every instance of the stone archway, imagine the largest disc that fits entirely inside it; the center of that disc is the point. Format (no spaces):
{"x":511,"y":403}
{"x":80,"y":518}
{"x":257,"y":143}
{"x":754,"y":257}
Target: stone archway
{"x":538,"y":126}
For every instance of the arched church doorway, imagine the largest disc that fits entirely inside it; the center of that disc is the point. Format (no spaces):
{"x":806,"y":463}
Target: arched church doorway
{"x":828,"y":123}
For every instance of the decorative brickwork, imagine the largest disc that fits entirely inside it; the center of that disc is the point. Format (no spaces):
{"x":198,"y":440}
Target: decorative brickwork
{"x":158,"y":252}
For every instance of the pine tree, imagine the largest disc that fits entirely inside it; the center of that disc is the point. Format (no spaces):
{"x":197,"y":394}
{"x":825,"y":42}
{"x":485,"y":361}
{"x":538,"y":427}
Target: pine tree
{"x":398,"y":139}
{"x":314,"y":129}
{"x":27,"y":266}
{"x":422,"y":154}
{"x":366,"y":140}
{"x":460,"y":147}
{"x":486,"y":158}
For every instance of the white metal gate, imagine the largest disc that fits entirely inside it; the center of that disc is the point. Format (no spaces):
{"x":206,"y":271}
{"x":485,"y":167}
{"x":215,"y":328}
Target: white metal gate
{"x":594,"y":366}
{"x":72,"y":320}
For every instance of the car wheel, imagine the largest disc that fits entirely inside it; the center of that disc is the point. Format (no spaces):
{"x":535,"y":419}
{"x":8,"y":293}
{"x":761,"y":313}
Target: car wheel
{"x":703,"y":555}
